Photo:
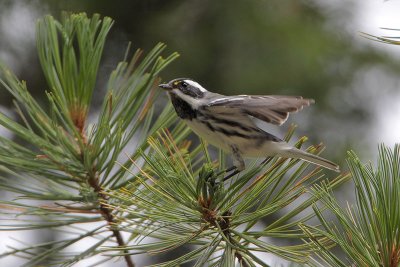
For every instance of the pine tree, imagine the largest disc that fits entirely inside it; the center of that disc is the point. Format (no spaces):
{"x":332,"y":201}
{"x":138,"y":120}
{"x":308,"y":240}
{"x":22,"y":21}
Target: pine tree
{"x":59,"y":159}
{"x":133,"y":176}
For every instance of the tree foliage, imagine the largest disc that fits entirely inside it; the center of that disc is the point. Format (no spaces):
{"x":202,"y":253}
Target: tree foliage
{"x":367,"y":232}
{"x":177,"y":200}
{"x":131,"y":173}
{"x":59,"y":158}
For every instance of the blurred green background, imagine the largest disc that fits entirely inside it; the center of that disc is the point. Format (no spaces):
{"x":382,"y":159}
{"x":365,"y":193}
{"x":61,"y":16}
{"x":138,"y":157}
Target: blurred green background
{"x":244,"y":47}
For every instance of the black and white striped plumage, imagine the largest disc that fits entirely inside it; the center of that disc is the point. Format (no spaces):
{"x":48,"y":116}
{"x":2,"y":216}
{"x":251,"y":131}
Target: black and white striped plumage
{"x":227,"y":122}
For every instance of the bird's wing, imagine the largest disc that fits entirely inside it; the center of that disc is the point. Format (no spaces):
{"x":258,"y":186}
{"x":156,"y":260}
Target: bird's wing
{"x":273,"y":109}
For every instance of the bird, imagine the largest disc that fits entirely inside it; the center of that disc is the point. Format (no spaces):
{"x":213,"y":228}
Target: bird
{"x":229,"y":122}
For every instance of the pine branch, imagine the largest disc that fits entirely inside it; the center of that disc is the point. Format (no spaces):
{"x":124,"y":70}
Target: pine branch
{"x":184,"y":200}
{"x":63,"y":159}
{"x":106,"y":212}
{"x":368,"y":232}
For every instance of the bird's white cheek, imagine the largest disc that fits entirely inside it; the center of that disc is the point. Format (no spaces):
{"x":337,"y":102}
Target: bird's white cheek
{"x":194,"y":103}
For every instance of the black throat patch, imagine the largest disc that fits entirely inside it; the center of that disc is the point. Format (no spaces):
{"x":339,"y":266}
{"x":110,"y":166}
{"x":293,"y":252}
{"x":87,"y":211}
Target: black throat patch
{"x":183,"y":109}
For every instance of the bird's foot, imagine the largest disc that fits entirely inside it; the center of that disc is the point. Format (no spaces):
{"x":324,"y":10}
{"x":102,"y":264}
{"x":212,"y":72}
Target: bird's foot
{"x":232,"y":168}
{"x":233,"y":171}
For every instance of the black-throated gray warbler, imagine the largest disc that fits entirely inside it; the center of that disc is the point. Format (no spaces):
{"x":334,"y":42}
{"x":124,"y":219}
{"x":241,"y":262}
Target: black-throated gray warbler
{"x":227,"y":122}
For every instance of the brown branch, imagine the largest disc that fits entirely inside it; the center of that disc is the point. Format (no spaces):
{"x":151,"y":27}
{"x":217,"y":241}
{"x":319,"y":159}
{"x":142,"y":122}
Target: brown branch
{"x":394,"y":256}
{"x":106,"y":212}
{"x":210,"y":216}
{"x":78,"y":115}
{"x":225,"y":224}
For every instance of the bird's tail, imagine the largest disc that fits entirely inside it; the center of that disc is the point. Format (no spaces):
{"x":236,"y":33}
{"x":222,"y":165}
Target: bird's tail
{"x":292,"y":152}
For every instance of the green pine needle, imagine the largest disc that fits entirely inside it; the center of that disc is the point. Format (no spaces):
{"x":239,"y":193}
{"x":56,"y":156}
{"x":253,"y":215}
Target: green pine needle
{"x":60,"y":162}
{"x":182,"y":204}
{"x":368,"y":232}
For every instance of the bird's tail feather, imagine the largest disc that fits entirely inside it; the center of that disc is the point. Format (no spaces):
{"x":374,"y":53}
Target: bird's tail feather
{"x":300,"y":154}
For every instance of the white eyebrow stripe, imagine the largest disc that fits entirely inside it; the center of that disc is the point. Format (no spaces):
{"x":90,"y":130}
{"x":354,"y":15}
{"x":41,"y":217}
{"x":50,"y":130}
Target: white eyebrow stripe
{"x":195,"y":84}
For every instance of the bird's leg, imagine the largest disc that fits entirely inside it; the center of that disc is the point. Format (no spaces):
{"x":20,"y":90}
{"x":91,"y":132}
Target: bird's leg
{"x":236,"y":171}
{"x":229,"y":169}
{"x":238,"y":163}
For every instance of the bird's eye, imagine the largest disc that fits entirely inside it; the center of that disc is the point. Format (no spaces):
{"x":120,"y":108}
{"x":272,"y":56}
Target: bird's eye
{"x":184,"y":84}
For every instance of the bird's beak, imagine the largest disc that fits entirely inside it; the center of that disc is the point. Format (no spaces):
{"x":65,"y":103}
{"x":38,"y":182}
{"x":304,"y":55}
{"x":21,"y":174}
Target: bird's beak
{"x":165,"y":86}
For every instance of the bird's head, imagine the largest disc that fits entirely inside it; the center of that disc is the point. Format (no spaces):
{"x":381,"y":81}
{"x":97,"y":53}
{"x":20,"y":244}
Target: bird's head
{"x":184,"y":88}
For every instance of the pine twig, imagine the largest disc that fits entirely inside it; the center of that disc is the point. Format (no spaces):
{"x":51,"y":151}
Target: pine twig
{"x":106,"y":212}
